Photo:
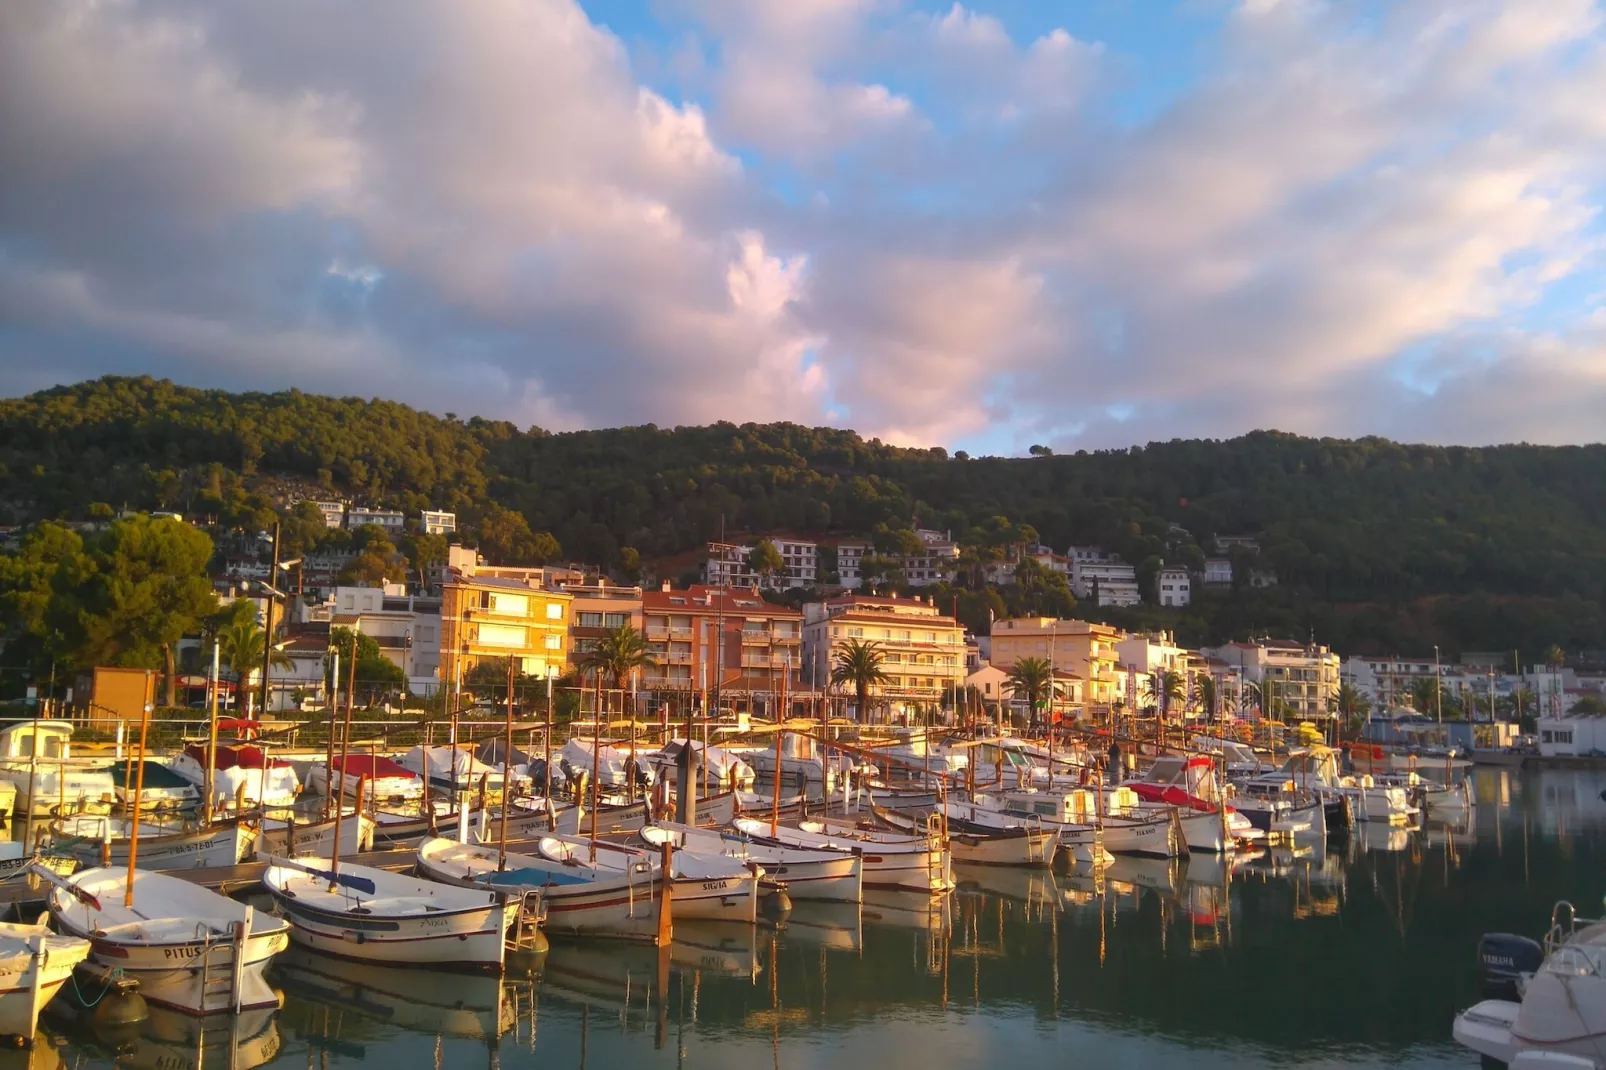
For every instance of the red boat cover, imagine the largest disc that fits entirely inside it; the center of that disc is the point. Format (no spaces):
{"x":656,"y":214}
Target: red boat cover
{"x":234,"y":756}
{"x":371,"y":766}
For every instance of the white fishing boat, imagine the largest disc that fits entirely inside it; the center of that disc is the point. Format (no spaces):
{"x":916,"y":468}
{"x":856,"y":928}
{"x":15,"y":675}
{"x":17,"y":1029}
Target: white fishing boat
{"x":383,"y":782}
{"x":805,"y":763}
{"x":1315,"y":769}
{"x":576,"y":896}
{"x":34,"y":964}
{"x":16,"y":857}
{"x":1088,"y":832}
{"x":311,"y":838}
{"x":1188,"y":785}
{"x":86,"y":836}
{"x":829,"y":876}
{"x":408,"y":828}
{"x":189,"y":948}
{"x":726,"y":771}
{"x":244,"y":774}
{"x":1561,"y":1009}
{"x":989,"y":842}
{"x":576,"y":758}
{"x":36,"y":760}
{"x":455,"y":769}
{"x":913,"y":863}
{"x":374,"y":915}
{"x":708,"y":886}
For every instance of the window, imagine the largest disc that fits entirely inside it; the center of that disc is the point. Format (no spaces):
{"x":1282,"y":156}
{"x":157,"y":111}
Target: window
{"x":615,"y":620}
{"x":554,"y":642}
{"x":588,"y":620}
{"x":554,"y":611}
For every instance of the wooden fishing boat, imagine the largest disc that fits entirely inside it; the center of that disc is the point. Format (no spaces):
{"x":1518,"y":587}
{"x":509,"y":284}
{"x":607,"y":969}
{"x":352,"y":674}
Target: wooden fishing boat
{"x":382,"y":781}
{"x":916,"y":863}
{"x":374,"y":915}
{"x":312,"y":838}
{"x":85,"y":837}
{"x":706,"y":886}
{"x":577,"y":897}
{"x":34,"y":964}
{"x":189,"y":948}
{"x":985,"y":843}
{"x":829,"y":876}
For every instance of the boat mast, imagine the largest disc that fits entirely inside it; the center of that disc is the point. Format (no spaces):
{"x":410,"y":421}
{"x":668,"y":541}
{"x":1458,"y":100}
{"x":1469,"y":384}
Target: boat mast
{"x":139,"y":790}
{"x":211,"y":736}
{"x":546,"y":792}
{"x":596,"y":766}
{"x":507,"y":772}
{"x":630,"y":770}
{"x":334,"y":715}
{"x":345,"y":759}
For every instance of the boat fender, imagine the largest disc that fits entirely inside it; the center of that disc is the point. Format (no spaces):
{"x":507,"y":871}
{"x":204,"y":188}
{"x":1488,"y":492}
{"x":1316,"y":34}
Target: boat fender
{"x":1503,"y":958}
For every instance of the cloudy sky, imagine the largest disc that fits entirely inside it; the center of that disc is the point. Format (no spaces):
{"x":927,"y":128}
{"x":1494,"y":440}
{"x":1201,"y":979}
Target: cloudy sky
{"x":1081,"y":223}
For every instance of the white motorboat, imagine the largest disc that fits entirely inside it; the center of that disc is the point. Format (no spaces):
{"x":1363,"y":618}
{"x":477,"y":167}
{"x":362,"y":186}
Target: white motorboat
{"x":36,"y":759}
{"x":34,"y":964}
{"x":374,"y":915}
{"x":705,"y":886}
{"x":575,"y":895}
{"x":189,"y":948}
{"x":1088,"y":832}
{"x":830,"y":876}
{"x":891,"y":860}
{"x":1315,"y":769}
{"x":243,"y":775}
{"x":1562,"y":1009}
{"x":383,"y":782}
{"x":86,"y":836}
{"x":312,"y":838}
{"x":1188,"y":785}
{"x":993,"y":841}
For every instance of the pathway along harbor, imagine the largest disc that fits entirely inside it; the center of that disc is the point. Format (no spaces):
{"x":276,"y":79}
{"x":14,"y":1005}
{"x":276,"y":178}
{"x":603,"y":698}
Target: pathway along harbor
{"x":1353,"y":946}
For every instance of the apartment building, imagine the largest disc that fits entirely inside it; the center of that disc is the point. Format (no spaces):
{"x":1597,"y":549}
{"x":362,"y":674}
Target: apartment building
{"x":936,"y":562}
{"x":599,"y":608}
{"x":406,"y":627}
{"x":1077,"y":649}
{"x":393,"y":522}
{"x":729,"y":644}
{"x":1218,"y":572}
{"x":727,"y":564}
{"x":923,"y":650}
{"x":334,"y":513}
{"x":435,"y":522}
{"x":1106,"y":582}
{"x":491,"y":618}
{"x":1174,"y":586}
{"x":1304,"y":678}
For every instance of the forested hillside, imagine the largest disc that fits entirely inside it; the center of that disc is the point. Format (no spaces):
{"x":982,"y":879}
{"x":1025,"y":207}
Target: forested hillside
{"x":1376,"y":544}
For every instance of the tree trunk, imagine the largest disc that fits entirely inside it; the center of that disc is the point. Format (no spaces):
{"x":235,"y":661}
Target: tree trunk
{"x":172,"y":683}
{"x":863,"y":695}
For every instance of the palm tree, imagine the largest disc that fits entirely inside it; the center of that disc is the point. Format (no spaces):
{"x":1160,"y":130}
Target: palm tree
{"x":1164,"y":688}
{"x":1204,"y":687}
{"x":1555,"y":657}
{"x":239,"y":646}
{"x":618,"y":654}
{"x":858,"y":664}
{"x":1030,"y":679}
{"x":1424,"y":695}
{"x":1351,"y":704}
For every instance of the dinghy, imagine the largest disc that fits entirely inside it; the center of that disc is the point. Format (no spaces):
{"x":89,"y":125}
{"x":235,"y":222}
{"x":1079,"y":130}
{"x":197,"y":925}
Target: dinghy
{"x":85,"y":836}
{"x":34,"y":964}
{"x":189,"y":948}
{"x":374,"y":915}
{"x":577,"y":897}
{"x":383,"y":782}
{"x":828,"y":876}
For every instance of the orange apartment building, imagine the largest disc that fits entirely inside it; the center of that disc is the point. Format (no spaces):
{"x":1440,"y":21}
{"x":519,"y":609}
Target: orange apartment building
{"x":727,"y":641}
{"x":487,"y":618}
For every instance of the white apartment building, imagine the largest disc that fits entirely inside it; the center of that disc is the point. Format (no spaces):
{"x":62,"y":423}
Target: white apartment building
{"x":1305,"y":677}
{"x":334,"y":513}
{"x":936,"y":563}
{"x":1174,"y":586}
{"x":727,"y":564}
{"x":392,"y":521}
{"x":406,"y":627}
{"x":1218,"y":572}
{"x":435,"y":522}
{"x":1101,"y":577}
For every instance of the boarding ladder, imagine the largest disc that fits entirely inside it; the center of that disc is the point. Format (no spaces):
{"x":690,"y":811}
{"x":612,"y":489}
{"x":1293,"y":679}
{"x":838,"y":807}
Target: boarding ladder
{"x":222,"y":965}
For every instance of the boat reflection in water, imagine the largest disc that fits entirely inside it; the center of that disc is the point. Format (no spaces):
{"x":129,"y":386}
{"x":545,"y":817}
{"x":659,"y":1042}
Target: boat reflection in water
{"x":423,"y":1001}
{"x":172,"y":1040}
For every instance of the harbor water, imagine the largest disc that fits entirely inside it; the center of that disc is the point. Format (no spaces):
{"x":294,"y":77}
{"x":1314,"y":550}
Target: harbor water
{"x":1353,"y":954}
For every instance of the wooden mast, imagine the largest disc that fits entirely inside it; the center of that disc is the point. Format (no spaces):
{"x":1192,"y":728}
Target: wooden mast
{"x":345,"y":756}
{"x":507,"y":773}
{"x":139,"y":791}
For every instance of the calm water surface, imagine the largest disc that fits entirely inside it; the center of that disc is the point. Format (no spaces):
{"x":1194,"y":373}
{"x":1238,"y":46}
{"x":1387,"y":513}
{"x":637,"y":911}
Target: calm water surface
{"x":1356,"y":954}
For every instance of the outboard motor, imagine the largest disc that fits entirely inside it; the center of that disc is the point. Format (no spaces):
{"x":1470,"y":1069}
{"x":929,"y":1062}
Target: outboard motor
{"x":1503,"y":959}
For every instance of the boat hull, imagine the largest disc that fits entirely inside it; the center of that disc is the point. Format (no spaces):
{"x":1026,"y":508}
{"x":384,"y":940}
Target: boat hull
{"x":31,"y":976}
{"x":1154,"y":838}
{"x":224,"y":845}
{"x":1032,"y":848}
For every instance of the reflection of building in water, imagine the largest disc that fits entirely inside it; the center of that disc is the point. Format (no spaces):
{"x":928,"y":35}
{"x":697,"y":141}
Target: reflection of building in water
{"x":1564,"y":797}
